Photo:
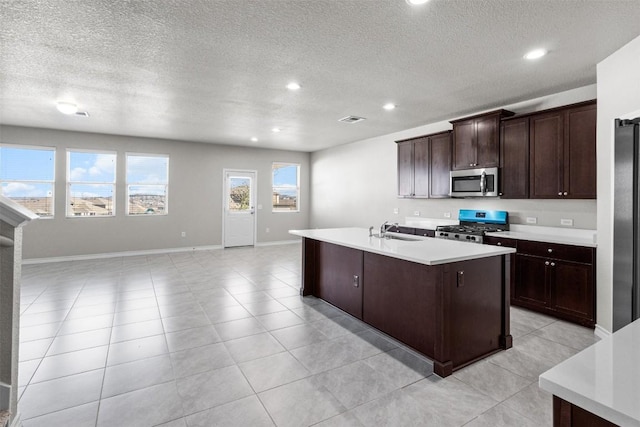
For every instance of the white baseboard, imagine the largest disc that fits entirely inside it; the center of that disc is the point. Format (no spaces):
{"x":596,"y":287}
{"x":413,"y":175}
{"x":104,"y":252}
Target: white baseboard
{"x":139,"y":253}
{"x":601,"y":332}
{"x":279,"y":242}
{"x":17,"y":421}
{"x":117,"y":254}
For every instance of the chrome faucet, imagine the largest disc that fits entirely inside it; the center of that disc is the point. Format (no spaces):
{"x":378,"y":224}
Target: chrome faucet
{"x":384,"y":228}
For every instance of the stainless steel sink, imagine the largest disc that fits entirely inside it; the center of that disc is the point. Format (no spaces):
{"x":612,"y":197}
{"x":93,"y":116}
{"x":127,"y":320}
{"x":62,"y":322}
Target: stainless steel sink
{"x":397,"y":236}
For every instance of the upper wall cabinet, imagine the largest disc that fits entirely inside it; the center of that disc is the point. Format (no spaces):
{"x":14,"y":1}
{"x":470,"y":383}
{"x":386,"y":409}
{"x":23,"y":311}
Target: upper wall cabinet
{"x":423,"y":166}
{"x":562,"y":149}
{"x":476,"y":140}
{"x":514,"y":158}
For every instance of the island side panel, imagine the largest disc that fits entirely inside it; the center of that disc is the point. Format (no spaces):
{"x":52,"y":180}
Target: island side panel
{"x":400,"y":300}
{"x":308,"y":266}
{"x":339,"y":277}
{"x":477,"y":309}
{"x":506,"y":340}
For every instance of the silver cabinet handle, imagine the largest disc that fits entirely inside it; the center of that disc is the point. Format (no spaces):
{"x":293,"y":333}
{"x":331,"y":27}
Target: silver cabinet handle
{"x":553,"y":264}
{"x":559,"y":193}
{"x":565,"y":193}
{"x":499,"y":243}
{"x":356,"y":281}
{"x":549,"y":250}
{"x":546,"y":263}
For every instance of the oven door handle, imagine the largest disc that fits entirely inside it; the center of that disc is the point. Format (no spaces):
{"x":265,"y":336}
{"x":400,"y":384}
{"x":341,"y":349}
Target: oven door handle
{"x":483,"y":183}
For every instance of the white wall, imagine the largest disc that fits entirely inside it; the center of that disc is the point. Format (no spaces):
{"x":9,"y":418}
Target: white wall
{"x":356,"y":184}
{"x":195,"y":196}
{"x":618,"y":96}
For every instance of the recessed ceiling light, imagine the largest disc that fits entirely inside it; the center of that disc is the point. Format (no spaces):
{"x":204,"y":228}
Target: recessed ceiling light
{"x":254,"y":139}
{"x":535,"y":54}
{"x":67,"y":108}
{"x":416,"y":2}
{"x":276,"y":130}
{"x":389,"y":106}
{"x":293,"y":86}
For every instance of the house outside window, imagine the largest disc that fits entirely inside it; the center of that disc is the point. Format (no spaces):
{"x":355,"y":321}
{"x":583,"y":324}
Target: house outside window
{"x":27,"y":176}
{"x":147,"y":184}
{"x":286,"y":187}
{"x":91,"y":183}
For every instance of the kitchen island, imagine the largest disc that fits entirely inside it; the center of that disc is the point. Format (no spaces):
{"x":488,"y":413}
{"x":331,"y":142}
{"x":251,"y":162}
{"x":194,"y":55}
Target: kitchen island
{"x":600,"y":386}
{"x":446,"y":299}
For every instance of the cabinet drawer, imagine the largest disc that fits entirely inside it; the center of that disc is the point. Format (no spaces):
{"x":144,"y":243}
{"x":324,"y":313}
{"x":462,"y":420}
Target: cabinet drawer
{"x":499,"y":241}
{"x":554,"y":250}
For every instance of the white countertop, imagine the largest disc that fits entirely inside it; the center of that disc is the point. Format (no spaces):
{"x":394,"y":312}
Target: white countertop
{"x":603,"y":379}
{"x":565,"y":236}
{"x":424,"y":250}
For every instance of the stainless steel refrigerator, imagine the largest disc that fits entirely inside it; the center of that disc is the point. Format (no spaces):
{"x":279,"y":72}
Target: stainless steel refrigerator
{"x":626,"y":227}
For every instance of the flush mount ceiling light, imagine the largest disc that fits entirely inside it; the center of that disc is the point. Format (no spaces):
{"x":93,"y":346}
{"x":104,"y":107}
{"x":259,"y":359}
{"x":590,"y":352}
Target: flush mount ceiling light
{"x":275,"y":130}
{"x":416,"y":2}
{"x":535,"y":54}
{"x":67,"y":108}
{"x":293,"y":86}
{"x":254,"y":139}
{"x":389,"y":106}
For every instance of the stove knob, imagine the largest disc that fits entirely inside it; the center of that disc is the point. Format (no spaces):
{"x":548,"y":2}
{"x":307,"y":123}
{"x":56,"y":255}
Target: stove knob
{"x":457,"y":236}
{"x":469,"y":238}
{"x":473,"y":238}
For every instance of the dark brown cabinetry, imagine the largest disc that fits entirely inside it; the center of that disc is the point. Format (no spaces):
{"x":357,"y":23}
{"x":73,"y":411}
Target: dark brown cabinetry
{"x":514,"y":158}
{"x":476,"y":140}
{"x":556,"y":279}
{"x":341,"y":285}
{"x":423,"y":166}
{"x":562,"y":144}
{"x":454,"y":313}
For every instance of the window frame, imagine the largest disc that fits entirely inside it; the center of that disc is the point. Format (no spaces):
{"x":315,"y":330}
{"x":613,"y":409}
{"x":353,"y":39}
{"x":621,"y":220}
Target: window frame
{"x":52,"y":182}
{"x":68,"y":182}
{"x":274,"y":187}
{"x":127,"y":183}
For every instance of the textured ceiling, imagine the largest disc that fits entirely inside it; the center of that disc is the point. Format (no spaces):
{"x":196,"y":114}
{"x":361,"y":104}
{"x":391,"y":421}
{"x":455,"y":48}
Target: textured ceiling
{"x":215,"y":71}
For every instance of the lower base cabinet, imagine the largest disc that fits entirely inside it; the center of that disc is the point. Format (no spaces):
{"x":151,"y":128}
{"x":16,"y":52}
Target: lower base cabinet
{"x":566,"y":414}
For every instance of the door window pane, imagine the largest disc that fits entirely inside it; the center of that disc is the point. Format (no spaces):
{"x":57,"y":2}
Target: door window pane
{"x":239,"y":194}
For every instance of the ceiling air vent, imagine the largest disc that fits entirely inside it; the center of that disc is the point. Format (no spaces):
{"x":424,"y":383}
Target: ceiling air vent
{"x":82,"y":114}
{"x":352,"y":119}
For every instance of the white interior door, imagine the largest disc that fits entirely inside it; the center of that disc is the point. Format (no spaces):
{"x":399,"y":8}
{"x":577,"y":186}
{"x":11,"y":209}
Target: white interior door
{"x":239,"y":208}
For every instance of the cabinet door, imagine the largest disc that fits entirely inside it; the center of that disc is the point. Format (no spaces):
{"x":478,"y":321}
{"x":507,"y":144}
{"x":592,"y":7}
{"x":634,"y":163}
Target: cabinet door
{"x":572,"y":290}
{"x":546,"y":133}
{"x":400,"y":300}
{"x":339,"y":277}
{"x":440,"y":165}
{"x":464,"y":145}
{"x":487,"y":142}
{"x":531,"y":284}
{"x":405,"y":168}
{"x":580,"y":153}
{"x":514,"y":159}
{"x":421,"y":167}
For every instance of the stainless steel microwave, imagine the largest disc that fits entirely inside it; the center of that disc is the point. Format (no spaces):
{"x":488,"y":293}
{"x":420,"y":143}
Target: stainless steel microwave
{"x":474,"y":183}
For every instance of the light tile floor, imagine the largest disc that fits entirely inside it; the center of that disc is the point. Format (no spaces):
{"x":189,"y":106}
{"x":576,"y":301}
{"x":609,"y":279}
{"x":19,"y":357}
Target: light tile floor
{"x":222,"y":338}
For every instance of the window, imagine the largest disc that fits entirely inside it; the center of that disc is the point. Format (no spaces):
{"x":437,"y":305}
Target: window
{"x":286,"y":187}
{"x":147,"y":182}
{"x":27,"y":177}
{"x":91,"y":183}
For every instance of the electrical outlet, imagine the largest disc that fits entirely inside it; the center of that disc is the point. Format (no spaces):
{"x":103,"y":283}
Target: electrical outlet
{"x":183,"y":234}
{"x":416,"y":213}
{"x":259,"y":207}
{"x":532,"y":220}
{"x":395,"y":211}
{"x":447,"y":214}
{"x":566,"y":221}
{"x":268,"y":230}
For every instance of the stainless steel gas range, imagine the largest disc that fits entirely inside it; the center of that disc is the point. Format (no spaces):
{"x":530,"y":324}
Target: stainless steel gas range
{"x":473,"y":225}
